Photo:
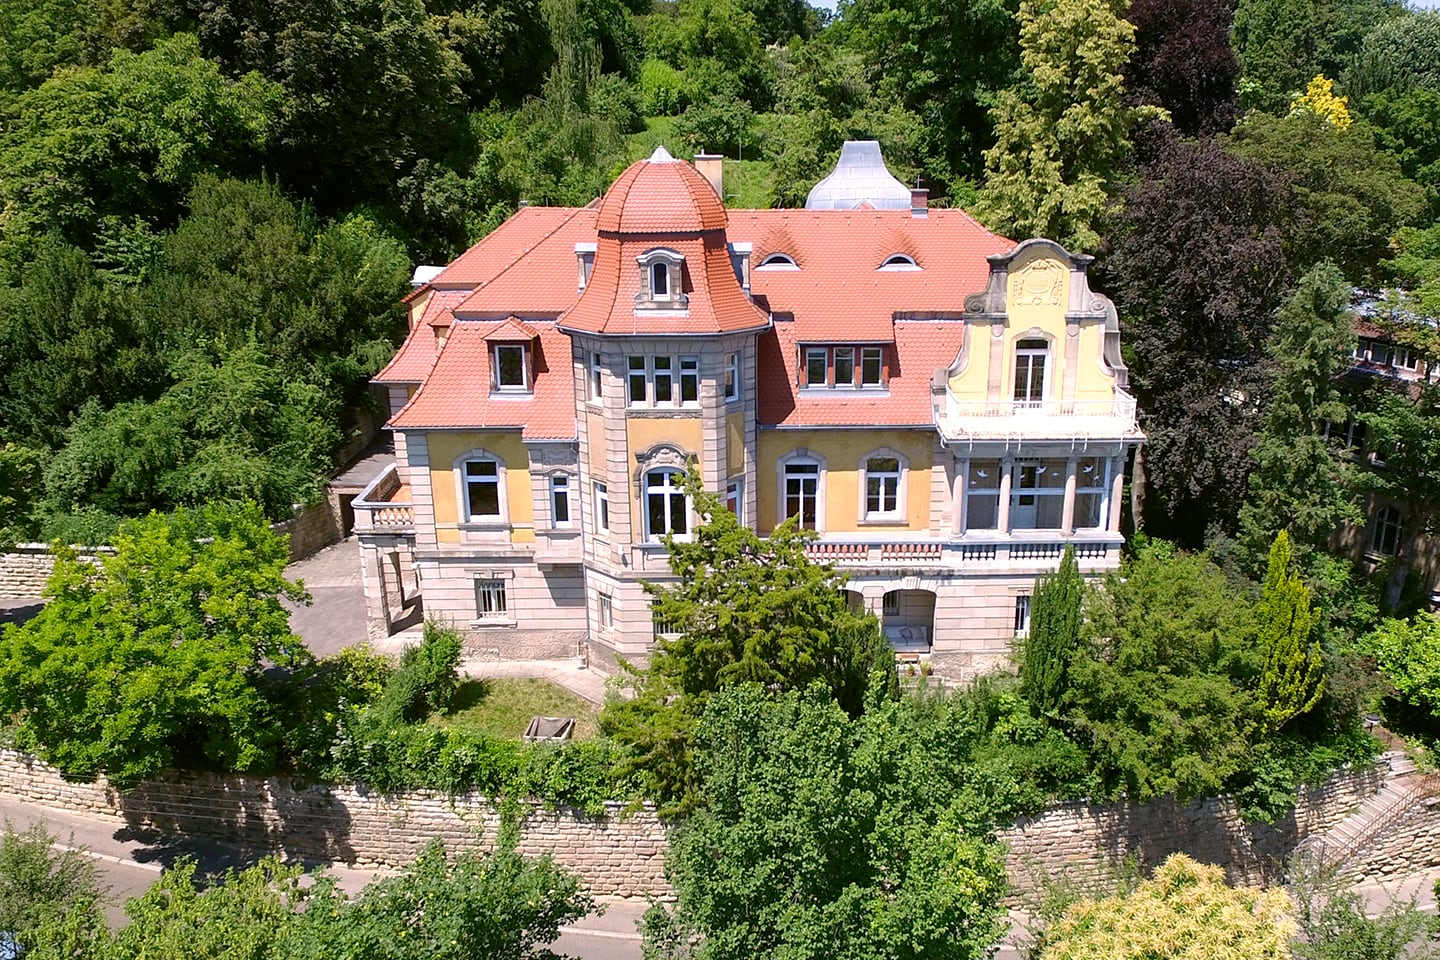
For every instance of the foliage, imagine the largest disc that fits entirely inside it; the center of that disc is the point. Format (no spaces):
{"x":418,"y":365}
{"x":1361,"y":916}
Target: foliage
{"x":1335,"y":925}
{"x":313,"y":698}
{"x":1348,"y":195}
{"x":1320,"y":99}
{"x":1060,"y":143}
{"x":154,"y":659}
{"x":1199,"y":326}
{"x":19,"y":491}
{"x":744,"y":609}
{"x":49,"y":899}
{"x":427,"y":678}
{"x":1186,"y":911}
{"x":822,"y":835}
{"x":1294,"y":674}
{"x":1183,"y":62}
{"x":1054,"y":636}
{"x":1399,"y":55}
{"x":1408,"y":653}
{"x":1405,"y":431}
{"x":1301,"y":483}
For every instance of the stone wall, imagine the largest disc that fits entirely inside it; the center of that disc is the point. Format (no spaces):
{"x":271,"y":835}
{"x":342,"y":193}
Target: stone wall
{"x":25,"y":567}
{"x":1085,"y":843}
{"x":313,"y":527}
{"x":622,"y":856}
{"x":617,"y":856}
{"x":1411,"y":846}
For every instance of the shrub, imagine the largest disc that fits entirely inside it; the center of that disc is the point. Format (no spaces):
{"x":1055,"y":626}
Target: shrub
{"x":427,"y":678}
{"x":661,"y":89}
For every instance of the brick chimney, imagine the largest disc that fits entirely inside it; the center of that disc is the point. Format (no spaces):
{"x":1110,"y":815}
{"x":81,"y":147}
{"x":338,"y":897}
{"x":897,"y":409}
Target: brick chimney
{"x":712,"y":168}
{"x":919,"y":202}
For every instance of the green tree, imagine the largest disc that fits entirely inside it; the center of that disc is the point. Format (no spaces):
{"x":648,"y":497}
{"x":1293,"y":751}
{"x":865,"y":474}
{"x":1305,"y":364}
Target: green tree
{"x":50,"y":900}
{"x":1283,"y":43}
{"x":819,"y":835}
{"x":1300,"y":483}
{"x":1399,"y":55}
{"x":743,"y":609}
{"x":1405,"y":432}
{"x":1294,"y":675}
{"x":1408,"y":654}
{"x":1062,"y":136}
{"x":1054,"y":636}
{"x":1186,"y":911}
{"x":154,"y":659}
{"x":20,"y":473}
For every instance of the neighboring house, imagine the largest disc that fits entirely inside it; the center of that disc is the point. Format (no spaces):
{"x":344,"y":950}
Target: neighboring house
{"x":1391,"y":531}
{"x":944,"y":408}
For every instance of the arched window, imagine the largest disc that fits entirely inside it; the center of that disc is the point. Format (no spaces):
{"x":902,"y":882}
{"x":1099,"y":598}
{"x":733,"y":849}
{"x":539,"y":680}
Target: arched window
{"x":802,"y":491}
{"x":660,"y":280}
{"x":1030,"y":362}
{"x":899,"y":261}
{"x":778,"y":261}
{"x":667,"y":508}
{"x":1385,"y":536}
{"x":882,"y":486}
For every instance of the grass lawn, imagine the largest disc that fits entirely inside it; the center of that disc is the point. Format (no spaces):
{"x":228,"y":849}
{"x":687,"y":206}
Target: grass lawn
{"x":503,"y":707}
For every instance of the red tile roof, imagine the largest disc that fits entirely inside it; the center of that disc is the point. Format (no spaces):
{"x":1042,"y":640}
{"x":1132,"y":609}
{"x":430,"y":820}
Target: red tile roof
{"x":661,"y":196}
{"x":457,"y":394}
{"x":417,"y":354}
{"x":921,"y":348}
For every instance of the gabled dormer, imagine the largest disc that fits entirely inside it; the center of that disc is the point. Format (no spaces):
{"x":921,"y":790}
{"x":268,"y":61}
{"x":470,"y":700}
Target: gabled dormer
{"x":512,"y":356}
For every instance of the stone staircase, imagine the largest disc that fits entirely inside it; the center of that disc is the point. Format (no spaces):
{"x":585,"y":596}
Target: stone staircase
{"x":1326,"y":852}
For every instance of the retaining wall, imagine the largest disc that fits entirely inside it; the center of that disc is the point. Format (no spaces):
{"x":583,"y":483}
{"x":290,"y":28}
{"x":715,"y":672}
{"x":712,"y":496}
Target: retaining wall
{"x":622,"y":856}
{"x":616,"y":856}
{"x":1410,"y":846}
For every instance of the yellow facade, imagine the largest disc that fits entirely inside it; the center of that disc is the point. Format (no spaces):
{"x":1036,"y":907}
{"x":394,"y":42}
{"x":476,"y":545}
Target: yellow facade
{"x":646,"y":433}
{"x":734,"y":443}
{"x":448,"y":447}
{"x":843,"y":452}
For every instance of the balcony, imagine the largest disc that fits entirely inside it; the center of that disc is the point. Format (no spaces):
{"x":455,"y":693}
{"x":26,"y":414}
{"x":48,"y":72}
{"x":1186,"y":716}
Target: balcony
{"x":1112,"y":419}
{"x":1028,"y":550}
{"x":384,"y":507}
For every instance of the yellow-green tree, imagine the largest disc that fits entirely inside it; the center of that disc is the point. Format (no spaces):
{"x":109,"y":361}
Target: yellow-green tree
{"x":1061,"y":136}
{"x":1294,"y":675}
{"x":1320,"y":99}
{"x":1186,"y":911}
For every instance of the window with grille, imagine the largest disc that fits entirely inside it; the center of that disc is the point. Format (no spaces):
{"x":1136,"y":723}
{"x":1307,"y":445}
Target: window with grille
{"x":490,"y":601}
{"x":1022,"y":615}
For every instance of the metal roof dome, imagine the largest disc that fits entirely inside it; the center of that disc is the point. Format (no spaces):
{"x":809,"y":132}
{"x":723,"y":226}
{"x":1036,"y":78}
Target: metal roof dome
{"x":860,"y":177}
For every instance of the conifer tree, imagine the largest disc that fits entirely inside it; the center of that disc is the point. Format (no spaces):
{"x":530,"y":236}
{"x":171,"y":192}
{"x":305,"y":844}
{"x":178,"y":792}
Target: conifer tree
{"x":1293,"y":679}
{"x":1054,"y":635}
{"x":1061,"y":136}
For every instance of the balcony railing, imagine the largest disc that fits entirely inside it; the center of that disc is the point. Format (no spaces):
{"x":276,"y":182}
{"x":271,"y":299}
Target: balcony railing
{"x":1005,"y":418}
{"x":384,"y":505}
{"x":952,"y":554}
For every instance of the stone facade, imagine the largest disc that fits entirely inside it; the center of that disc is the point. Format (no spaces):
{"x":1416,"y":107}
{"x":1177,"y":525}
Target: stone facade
{"x":1411,"y":846}
{"x":617,"y":856}
{"x":622,"y":855}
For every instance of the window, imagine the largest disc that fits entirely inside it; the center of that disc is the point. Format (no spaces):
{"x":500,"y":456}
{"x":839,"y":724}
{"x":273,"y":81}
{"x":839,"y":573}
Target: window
{"x":1037,"y":496}
{"x":982,"y":495}
{"x":482,"y":490}
{"x":490,"y":600}
{"x":689,"y":380}
{"x":890,"y":605}
{"x":664,"y":629}
{"x":816,"y":374}
{"x":1022,"y":615}
{"x":882,"y":488}
{"x":667,"y":509}
{"x":596,"y":378}
{"x":844,"y":366}
{"x":1030,"y":372}
{"x":510,"y":367}
{"x":602,"y":507}
{"x":660,"y":281}
{"x":734,"y":500}
{"x":1385,"y":536}
{"x":1092,"y":482}
{"x":560,"y":500}
{"x":636,"y":390}
{"x":802,"y":493}
{"x":778,"y":261}
{"x":871,"y":367}
{"x":607,"y":612}
{"x":664,"y":380}
{"x":1406,"y":358}
{"x":1349,"y":435}
{"x":899,"y":261}
{"x":732,"y":377}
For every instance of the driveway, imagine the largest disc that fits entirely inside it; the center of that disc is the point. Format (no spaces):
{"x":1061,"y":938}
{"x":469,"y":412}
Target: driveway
{"x":335,"y":617}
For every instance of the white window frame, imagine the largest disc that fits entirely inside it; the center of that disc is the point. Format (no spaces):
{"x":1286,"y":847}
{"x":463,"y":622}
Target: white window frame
{"x":801,"y":457}
{"x":1030,"y":402}
{"x":689,"y":380}
{"x":899,"y":261}
{"x":605,"y":610}
{"x":823,"y":355}
{"x":902,"y":464}
{"x":1387,"y":531}
{"x":878,"y":353}
{"x":462,"y":490}
{"x":973,"y":493}
{"x":666,"y":263}
{"x":835,"y":361}
{"x":560,"y":488}
{"x":734,"y":498}
{"x":637,"y":375}
{"x":1017,"y":491}
{"x":602,"y":507}
{"x":596,"y":379}
{"x":777,"y":261}
{"x":661,"y":373}
{"x":491,"y":600}
{"x":673,"y":482}
{"x":1022,"y":615}
{"x":732,"y":377}
{"x":1099,"y":485}
{"x":524,"y":385}
{"x":1406,"y":358}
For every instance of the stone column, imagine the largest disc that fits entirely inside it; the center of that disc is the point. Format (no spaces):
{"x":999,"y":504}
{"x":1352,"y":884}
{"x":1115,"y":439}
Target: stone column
{"x":1002,"y":517}
{"x":1117,"y":489}
{"x":962,"y":480}
{"x":1067,"y":513}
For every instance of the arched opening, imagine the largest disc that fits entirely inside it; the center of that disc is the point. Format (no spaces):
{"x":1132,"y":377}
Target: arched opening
{"x":907,"y":619}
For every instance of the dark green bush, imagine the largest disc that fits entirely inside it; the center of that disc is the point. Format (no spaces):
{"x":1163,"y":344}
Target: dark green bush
{"x":427,"y":678}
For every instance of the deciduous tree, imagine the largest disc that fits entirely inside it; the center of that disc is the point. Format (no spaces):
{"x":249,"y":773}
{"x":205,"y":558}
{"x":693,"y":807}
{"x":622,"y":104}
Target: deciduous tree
{"x":1183,"y":62}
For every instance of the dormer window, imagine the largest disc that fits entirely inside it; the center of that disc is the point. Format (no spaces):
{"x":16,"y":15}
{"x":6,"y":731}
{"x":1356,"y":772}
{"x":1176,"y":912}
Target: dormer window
{"x":778,"y":261}
{"x":860,"y":366}
{"x":660,"y":279}
{"x":511,"y":369}
{"x":899,"y":261}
